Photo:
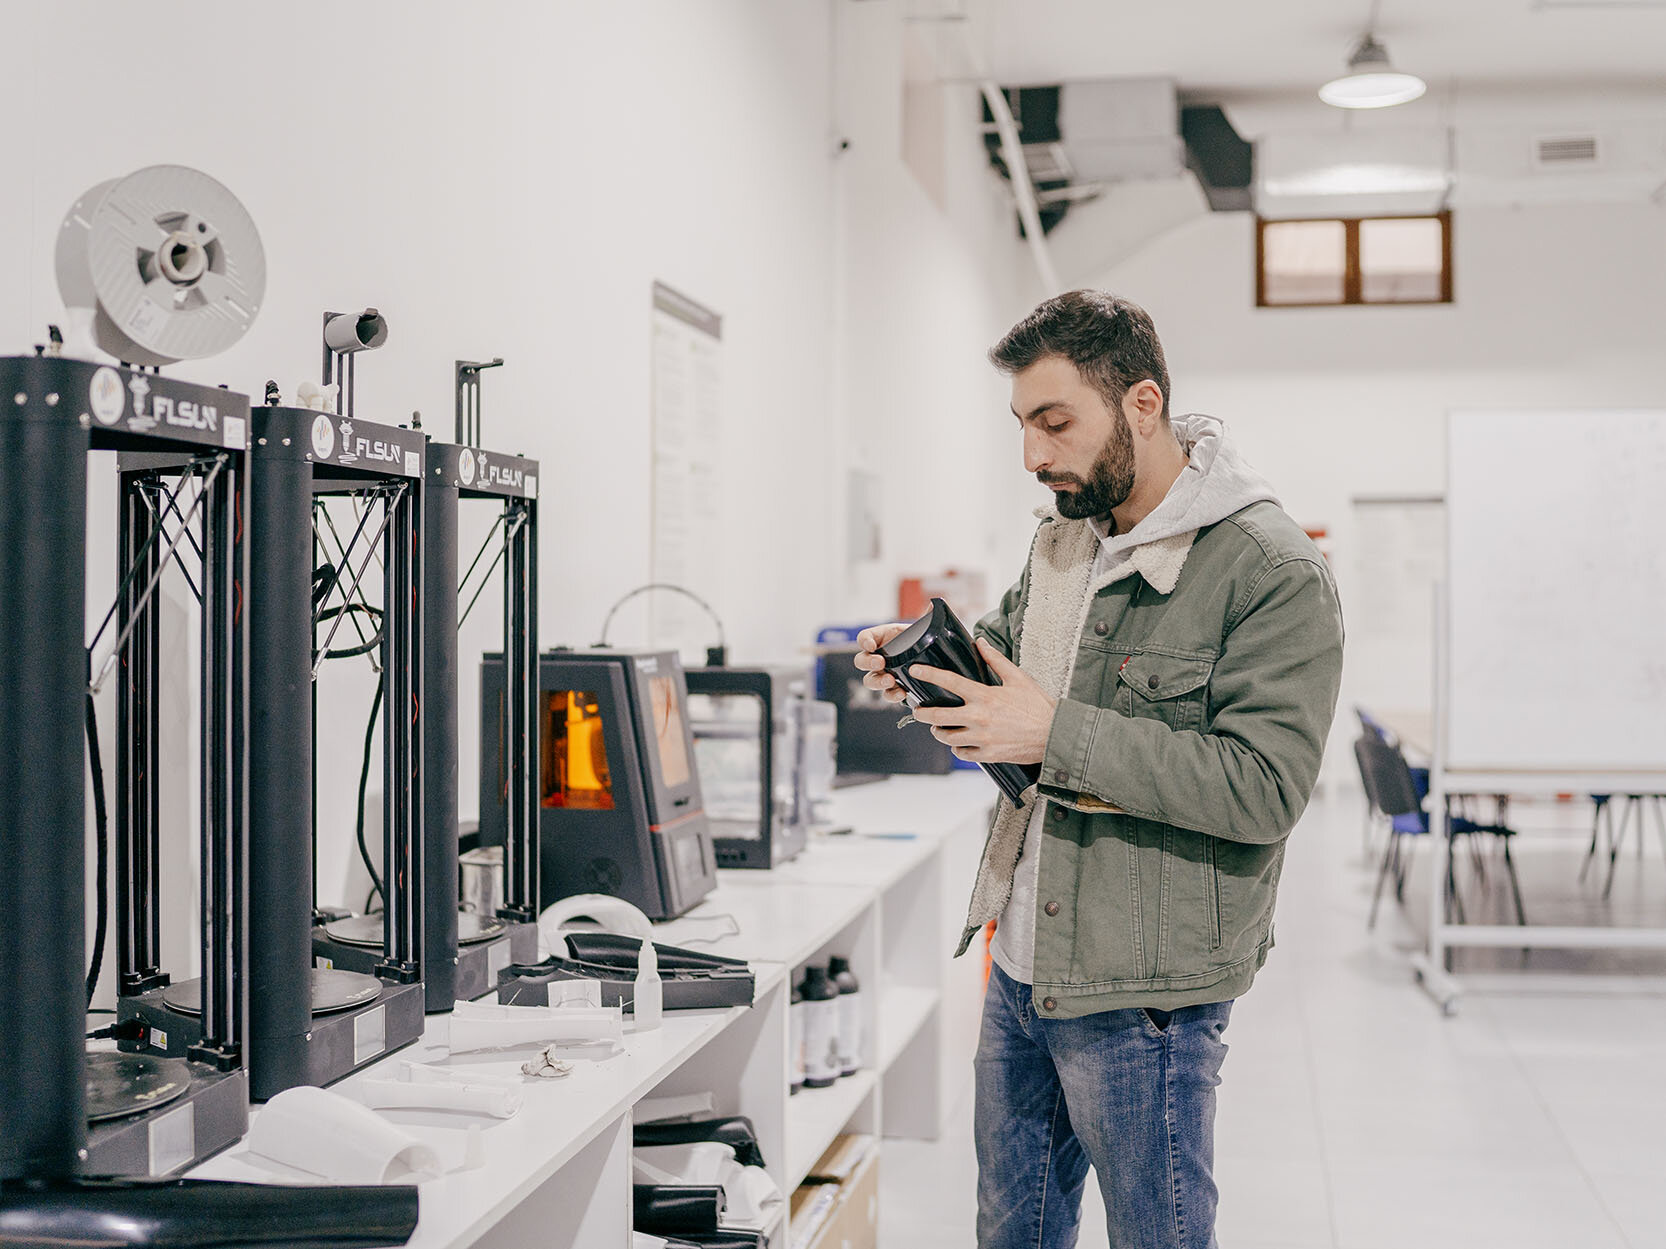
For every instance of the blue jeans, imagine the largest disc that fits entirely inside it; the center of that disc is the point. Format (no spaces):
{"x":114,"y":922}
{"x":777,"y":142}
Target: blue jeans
{"x":1130,"y":1091}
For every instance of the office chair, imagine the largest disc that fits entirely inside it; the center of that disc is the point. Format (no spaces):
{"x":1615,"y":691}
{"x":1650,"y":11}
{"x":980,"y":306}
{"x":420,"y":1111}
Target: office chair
{"x":1392,"y":790}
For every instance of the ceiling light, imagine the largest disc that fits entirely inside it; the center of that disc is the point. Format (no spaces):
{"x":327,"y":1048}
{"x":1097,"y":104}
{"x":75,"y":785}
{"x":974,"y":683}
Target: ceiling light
{"x":1371,"y":82}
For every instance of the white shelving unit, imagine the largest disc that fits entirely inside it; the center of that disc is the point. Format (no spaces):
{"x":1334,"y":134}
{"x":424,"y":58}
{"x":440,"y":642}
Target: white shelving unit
{"x":816,"y":1116}
{"x":888,"y":896}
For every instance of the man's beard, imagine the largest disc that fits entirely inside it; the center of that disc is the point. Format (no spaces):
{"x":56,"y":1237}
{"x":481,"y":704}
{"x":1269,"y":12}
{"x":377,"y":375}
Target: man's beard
{"x":1109,"y":481}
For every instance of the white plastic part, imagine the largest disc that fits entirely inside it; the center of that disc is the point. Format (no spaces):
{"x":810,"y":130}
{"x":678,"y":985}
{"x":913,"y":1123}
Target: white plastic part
{"x":356,"y":331}
{"x":481,"y":1026}
{"x":566,"y":993}
{"x":421,"y":1073}
{"x":547,"y":1065}
{"x":641,"y":1240}
{"x":480,"y":1099}
{"x":168,"y":260}
{"x":750,"y":1196}
{"x":329,"y":1135}
{"x":310,"y":394}
{"x":612,"y":914}
{"x":675,"y":1106}
{"x":648,"y":995}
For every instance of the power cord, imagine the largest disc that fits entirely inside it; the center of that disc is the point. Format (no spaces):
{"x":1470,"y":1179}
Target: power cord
{"x":101,"y":822}
{"x":134,"y":1029}
{"x":716,"y":656}
{"x":364,"y":784}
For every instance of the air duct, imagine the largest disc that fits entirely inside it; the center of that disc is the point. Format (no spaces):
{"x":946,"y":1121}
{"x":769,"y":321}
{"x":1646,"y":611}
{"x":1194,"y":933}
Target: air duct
{"x":1223,"y":162}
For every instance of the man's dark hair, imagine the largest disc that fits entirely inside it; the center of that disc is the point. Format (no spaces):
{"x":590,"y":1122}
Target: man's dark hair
{"x":1110,"y":340}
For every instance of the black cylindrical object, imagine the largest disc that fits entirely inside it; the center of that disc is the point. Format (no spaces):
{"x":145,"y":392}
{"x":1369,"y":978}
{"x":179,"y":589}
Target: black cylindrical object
{"x":667,"y":1209}
{"x":279,"y":603}
{"x":439,"y":746}
{"x":43,"y":681}
{"x":204,"y":1214}
{"x":938,"y":640}
{"x":822,"y":1064}
{"x":737,"y":1132}
{"x":850,"y":1014}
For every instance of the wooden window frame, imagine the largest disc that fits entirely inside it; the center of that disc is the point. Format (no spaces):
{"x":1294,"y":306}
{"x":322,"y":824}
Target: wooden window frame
{"x":1352,"y":280}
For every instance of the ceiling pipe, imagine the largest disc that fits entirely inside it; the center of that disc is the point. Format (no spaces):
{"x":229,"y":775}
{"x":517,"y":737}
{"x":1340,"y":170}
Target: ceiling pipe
{"x":1023,"y":192}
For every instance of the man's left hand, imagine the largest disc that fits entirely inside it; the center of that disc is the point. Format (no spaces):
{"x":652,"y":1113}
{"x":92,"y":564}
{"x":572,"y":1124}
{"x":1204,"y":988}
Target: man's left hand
{"x":1005,"y":723}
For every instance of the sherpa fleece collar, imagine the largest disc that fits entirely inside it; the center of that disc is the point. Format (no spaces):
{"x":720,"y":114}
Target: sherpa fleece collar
{"x":1159,"y":562}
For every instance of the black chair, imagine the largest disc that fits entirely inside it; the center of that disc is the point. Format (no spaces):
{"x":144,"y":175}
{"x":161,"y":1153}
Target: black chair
{"x":1393,"y":791}
{"x":1635,"y":805}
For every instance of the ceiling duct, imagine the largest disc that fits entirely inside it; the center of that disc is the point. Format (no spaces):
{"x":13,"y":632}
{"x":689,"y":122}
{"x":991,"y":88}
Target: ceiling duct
{"x":1223,"y":162}
{"x":1081,"y":138}
{"x":1121,"y":129}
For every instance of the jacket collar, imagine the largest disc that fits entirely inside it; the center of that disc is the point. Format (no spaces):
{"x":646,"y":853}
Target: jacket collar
{"x":1159,"y":562}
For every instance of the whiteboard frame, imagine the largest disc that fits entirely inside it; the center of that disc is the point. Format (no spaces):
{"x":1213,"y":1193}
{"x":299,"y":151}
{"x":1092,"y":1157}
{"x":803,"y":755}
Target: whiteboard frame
{"x":1445,"y":781}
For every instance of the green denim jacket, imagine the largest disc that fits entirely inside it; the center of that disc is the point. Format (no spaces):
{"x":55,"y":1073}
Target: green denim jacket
{"x":1185,"y":751}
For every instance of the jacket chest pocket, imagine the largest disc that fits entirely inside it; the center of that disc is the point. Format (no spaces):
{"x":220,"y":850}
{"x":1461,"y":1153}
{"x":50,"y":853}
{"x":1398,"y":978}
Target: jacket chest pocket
{"x":1170,"y":688}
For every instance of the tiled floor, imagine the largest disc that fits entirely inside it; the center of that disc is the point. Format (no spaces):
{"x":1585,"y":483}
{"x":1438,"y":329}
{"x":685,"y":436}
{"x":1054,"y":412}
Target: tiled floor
{"x":1354,"y":1116}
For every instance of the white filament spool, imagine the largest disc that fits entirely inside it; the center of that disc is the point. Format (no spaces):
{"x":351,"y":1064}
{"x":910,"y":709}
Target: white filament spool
{"x":169,"y":262}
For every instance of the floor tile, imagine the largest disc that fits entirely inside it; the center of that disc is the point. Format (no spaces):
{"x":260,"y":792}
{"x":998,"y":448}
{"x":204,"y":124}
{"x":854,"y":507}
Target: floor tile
{"x":1438,"y":1205}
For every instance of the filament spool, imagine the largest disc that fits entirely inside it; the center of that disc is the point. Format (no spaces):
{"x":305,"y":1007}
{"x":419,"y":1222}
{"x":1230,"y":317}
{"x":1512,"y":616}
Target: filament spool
{"x":168,"y":261}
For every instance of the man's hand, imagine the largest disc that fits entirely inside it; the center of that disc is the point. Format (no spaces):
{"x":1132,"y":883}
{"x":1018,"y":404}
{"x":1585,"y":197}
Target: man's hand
{"x":872,"y":663}
{"x":1006,"y":723}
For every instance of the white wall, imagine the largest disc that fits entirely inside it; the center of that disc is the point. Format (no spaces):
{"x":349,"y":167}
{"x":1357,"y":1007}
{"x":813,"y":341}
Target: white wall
{"x":509,"y":179}
{"x":1556,"y":306}
{"x":926,"y":288}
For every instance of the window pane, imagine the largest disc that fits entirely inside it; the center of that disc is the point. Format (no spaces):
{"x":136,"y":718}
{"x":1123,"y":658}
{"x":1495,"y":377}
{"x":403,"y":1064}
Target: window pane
{"x":1400,"y":261}
{"x":1305,"y":262}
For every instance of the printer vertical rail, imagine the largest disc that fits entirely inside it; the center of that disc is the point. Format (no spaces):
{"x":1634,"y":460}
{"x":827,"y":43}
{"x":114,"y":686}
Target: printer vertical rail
{"x":520,"y":657}
{"x":402,"y":712}
{"x":137,"y":854}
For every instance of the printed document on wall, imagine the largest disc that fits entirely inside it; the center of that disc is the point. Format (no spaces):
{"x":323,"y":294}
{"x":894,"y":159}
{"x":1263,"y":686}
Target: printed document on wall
{"x":687,"y":449}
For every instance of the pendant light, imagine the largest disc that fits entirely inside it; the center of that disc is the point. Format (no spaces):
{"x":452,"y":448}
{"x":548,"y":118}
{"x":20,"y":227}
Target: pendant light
{"x":1371,"y":82}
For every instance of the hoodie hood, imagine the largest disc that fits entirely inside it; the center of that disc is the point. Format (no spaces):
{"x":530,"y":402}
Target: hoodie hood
{"x":1215,"y":483}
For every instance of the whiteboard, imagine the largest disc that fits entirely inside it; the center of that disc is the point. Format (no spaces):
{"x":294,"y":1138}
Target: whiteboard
{"x":686,"y":544}
{"x":1556,"y":556}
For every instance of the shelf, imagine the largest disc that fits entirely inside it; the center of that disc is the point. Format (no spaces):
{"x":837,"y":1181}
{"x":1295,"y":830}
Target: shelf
{"x":559,"y":1120}
{"x":903,"y":1011}
{"x":816,"y":1116}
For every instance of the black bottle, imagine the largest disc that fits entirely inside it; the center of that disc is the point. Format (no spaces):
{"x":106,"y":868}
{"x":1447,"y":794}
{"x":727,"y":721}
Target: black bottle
{"x":850,"y":1014}
{"x":821,"y":1029}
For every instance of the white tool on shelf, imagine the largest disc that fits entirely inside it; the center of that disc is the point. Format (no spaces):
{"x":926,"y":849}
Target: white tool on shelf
{"x":478,"y":1026}
{"x":441,"y":1088}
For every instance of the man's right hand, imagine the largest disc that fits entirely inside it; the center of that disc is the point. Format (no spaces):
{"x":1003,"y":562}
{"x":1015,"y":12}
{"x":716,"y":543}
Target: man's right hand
{"x":872,"y":663}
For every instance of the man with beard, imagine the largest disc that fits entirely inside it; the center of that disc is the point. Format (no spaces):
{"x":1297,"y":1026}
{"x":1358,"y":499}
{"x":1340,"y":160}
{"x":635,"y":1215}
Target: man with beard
{"x":1171,"y":658}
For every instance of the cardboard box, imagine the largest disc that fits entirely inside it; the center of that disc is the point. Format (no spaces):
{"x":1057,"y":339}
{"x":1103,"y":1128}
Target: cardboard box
{"x":837,"y":1207}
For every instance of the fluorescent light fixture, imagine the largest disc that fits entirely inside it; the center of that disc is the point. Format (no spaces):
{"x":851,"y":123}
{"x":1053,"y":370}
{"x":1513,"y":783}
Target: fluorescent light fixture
{"x":1357,"y":179}
{"x":1371,"y":82}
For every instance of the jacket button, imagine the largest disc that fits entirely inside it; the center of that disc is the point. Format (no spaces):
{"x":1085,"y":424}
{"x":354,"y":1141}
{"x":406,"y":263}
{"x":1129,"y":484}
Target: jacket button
{"x":1101,"y":628}
{"x":1058,"y":813}
{"x":1061,"y":776}
{"x":1052,"y":908}
{"x":1153,"y":681}
{"x":1048,"y":1003}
